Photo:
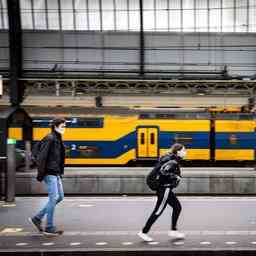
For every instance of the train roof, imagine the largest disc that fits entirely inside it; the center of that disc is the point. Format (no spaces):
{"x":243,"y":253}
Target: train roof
{"x":142,"y":113}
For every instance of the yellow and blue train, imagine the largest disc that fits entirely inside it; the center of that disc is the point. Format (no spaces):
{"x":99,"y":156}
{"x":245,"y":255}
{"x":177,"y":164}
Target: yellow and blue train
{"x":121,"y":139}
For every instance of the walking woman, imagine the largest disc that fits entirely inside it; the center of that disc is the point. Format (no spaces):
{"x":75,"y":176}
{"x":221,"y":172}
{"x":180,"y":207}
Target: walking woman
{"x":169,"y":172}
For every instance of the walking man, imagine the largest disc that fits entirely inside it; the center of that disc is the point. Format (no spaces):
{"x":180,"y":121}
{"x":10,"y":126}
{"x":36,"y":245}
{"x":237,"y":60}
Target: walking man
{"x":50,"y":163}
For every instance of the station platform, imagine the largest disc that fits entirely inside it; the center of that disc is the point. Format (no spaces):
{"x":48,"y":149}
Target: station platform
{"x":132,"y":181}
{"x":109,"y":225}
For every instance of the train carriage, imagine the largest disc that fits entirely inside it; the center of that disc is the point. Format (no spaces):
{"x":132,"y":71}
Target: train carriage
{"x":235,"y":137}
{"x":118,"y":139}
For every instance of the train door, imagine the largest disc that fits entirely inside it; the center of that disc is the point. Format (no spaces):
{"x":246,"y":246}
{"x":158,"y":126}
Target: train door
{"x":147,"y":142}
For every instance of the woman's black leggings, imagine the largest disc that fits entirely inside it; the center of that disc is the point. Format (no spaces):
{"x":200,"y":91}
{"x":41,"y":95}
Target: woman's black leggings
{"x":164,"y":196}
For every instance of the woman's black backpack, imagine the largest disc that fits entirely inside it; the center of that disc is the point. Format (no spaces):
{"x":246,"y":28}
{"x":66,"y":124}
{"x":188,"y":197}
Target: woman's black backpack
{"x":153,"y":178}
{"x":160,"y":172}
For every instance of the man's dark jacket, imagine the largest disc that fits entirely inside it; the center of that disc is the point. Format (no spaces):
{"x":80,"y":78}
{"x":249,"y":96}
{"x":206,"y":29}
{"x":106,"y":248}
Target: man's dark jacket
{"x":51,"y":157}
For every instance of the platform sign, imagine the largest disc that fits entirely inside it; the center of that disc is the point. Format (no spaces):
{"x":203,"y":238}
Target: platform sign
{"x":11,"y":141}
{"x":1,"y":86}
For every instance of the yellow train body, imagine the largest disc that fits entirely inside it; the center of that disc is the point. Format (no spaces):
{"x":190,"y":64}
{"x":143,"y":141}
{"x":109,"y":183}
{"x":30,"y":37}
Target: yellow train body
{"x":122,"y":139}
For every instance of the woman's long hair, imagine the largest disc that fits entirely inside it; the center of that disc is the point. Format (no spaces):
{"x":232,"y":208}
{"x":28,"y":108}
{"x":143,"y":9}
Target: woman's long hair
{"x":176,"y":147}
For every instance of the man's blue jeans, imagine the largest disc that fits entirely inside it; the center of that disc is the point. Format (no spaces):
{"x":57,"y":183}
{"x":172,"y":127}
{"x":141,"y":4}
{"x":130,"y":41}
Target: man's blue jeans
{"x":55,"y":195}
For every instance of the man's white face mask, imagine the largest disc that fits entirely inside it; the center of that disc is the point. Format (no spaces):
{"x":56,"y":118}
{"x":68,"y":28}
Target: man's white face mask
{"x":182,"y":153}
{"x":60,"y":130}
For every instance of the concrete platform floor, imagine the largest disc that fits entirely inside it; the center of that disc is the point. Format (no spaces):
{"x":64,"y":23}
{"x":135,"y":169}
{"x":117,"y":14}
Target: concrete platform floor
{"x":108,"y":225}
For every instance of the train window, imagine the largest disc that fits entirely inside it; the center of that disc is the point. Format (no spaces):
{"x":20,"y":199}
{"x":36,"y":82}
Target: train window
{"x":183,"y":139}
{"x":156,"y":116}
{"x":152,"y":138}
{"x":42,"y":122}
{"x":88,"y":151}
{"x":233,"y":116}
{"x":142,"y":138}
{"x":82,"y":151}
{"x":175,"y":115}
{"x":71,"y":122}
{"x":87,"y":123}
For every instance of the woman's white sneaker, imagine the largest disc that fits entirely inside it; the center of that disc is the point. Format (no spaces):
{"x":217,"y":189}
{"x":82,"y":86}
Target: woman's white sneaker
{"x":145,"y":237}
{"x":176,"y":234}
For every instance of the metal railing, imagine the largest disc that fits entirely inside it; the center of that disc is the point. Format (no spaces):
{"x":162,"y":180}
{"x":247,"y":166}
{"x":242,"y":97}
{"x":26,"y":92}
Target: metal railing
{"x":77,"y":87}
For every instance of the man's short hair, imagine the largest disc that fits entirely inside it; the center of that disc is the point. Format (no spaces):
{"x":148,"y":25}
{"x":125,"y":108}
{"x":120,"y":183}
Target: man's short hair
{"x":56,"y":122}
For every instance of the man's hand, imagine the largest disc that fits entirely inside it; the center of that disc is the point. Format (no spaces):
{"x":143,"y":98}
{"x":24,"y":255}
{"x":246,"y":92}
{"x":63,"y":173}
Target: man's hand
{"x":39,"y":178}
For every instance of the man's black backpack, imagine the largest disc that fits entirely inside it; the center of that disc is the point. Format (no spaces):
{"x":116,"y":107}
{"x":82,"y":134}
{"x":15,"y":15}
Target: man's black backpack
{"x":35,"y":153}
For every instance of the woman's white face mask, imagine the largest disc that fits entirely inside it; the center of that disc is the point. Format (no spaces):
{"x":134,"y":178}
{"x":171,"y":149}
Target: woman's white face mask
{"x":182,"y":153}
{"x":60,"y":130}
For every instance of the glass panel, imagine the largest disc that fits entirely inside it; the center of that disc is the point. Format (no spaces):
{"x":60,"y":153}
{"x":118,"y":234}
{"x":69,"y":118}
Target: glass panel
{"x":175,"y":20}
{"x":188,"y":15}
{"x":175,"y":15}
{"x":215,"y":16}
{"x":94,"y":5}
{"x":134,"y":15}
{"x":149,"y":20}
{"x":108,"y":5}
{"x":134,"y":5}
{"x":53,"y":15}
{"x":161,"y":15}
{"x":94,"y":20}
{"x":26,"y":14}
{"x":252,"y":16}
{"x":161,"y":20}
{"x":228,"y":16}
{"x":67,"y":18}
{"x":121,"y":5}
{"x":152,"y":138}
{"x":40,"y":15}
{"x":134,"y":18}
{"x":201,"y":20}
{"x":148,"y":5}
{"x":122,"y":20}
{"x":71,"y":123}
{"x":161,"y":5}
{"x":142,"y":138}
{"x":241,"y":19}
{"x":5,"y":16}
{"x":108,"y":15}
{"x":81,"y":15}
{"x":201,"y":15}
{"x":155,"y":15}
{"x":88,"y":151}
{"x":183,"y":138}
{"x":201,"y":4}
{"x":2,"y":14}
{"x":108,"y":20}
{"x":94,"y":15}
{"x":88,"y":122}
{"x":121,"y":15}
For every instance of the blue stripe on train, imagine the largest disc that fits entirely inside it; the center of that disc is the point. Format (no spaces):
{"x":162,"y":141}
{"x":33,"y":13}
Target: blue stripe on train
{"x":113,"y":149}
{"x":235,"y":140}
{"x":107,"y":149}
